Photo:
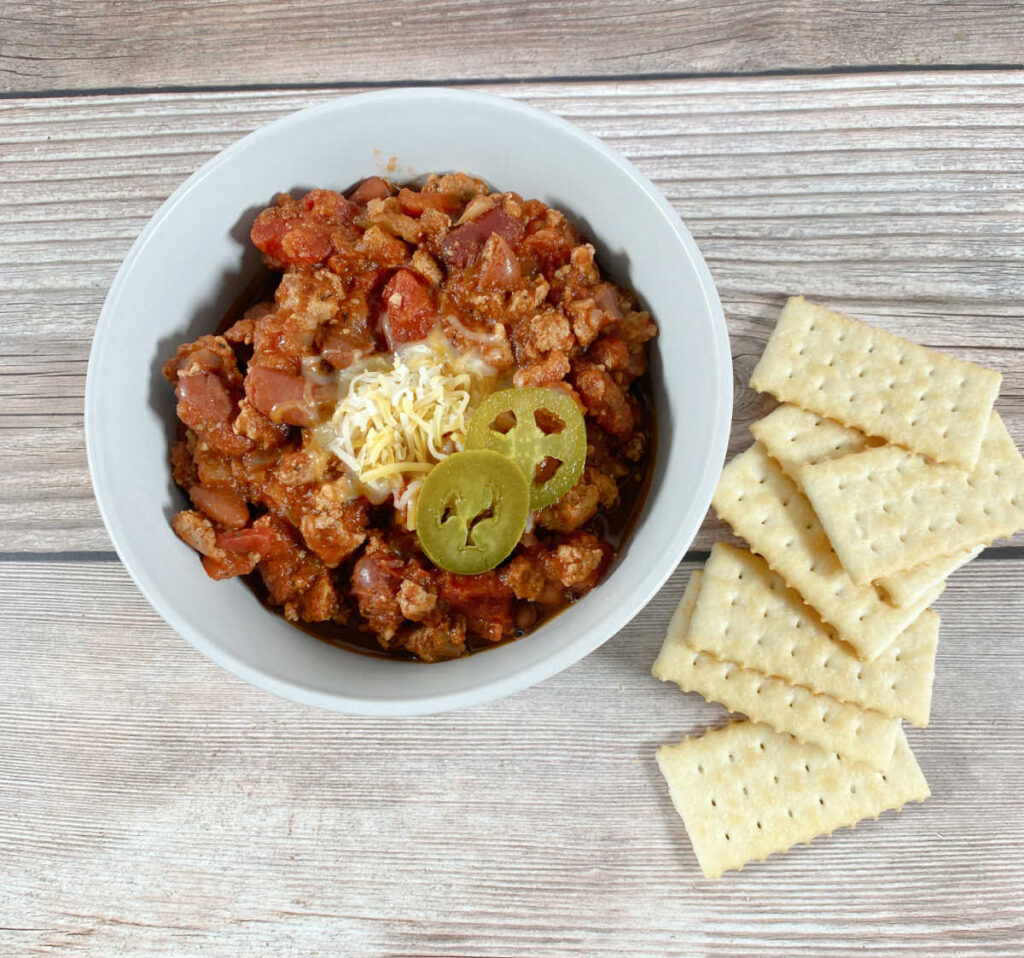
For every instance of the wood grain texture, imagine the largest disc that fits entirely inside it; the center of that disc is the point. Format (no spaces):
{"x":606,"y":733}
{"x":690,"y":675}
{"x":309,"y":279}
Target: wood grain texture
{"x":153,"y":804}
{"x":67,"y":45}
{"x":896,"y":198}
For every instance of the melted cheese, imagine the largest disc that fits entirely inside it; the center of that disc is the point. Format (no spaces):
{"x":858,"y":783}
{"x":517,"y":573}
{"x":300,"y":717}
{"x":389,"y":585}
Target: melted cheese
{"x":398,"y":416}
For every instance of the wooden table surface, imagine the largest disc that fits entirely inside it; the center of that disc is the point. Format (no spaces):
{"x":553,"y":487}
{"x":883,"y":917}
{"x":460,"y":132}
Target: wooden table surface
{"x":870,"y":155}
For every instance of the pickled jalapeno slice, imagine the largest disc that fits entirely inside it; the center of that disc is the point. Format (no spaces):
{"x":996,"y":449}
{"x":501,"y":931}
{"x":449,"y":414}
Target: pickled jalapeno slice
{"x":472,"y":511}
{"x":541,"y":430}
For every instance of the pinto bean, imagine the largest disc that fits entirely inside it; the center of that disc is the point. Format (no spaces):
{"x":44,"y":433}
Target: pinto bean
{"x":221,"y":505}
{"x":279,"y":395}
{"x":463,"y":244}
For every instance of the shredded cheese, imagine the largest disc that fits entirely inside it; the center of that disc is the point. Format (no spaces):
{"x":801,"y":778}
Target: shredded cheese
{"x":402,"y":415}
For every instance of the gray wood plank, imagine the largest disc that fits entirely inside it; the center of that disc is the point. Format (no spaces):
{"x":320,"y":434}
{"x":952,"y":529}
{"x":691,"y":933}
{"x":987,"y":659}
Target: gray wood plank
{"x":153,"y":804}
{"x":897,"y":198}
{"x":65,"y":45}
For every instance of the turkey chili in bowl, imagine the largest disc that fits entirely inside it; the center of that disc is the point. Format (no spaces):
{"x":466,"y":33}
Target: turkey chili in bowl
{"x":433,"y":432}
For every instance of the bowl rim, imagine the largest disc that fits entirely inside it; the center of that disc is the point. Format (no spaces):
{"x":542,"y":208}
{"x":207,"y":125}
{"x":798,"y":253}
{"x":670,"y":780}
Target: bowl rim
{"x":545,"y":667}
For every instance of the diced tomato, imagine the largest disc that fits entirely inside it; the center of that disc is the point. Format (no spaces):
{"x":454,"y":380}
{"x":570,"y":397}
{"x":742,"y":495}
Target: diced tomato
{"x":463,"y":244}
{"x":415,"y":204}
{"x":372,"y":188}
{"x":483,"y":599}
{"x":328,"y":205}
{"x":299,"y":232}
{"x":268,"y":231}
{"x":409,"y":310}
{"x":279,"y":395}
{"x":306,"y":244}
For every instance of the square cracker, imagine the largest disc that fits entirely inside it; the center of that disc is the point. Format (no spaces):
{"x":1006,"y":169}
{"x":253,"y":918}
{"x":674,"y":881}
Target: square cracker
{"x":745,"y":792}
{"x":882,"y":384}
{"x":795,"y":438}
{"x":906,"y":587}
{"x":888,"y":509}
{"x":862,"y":735}
{"x":766,"y":508}
{"x":745,"y":613}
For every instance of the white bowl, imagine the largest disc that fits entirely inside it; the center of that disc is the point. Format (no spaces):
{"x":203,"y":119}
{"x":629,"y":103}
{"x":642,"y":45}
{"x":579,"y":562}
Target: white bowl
{"x":193,"y":258}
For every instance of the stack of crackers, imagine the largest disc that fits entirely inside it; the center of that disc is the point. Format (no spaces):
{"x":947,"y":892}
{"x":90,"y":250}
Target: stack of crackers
{"x":885,"y":469}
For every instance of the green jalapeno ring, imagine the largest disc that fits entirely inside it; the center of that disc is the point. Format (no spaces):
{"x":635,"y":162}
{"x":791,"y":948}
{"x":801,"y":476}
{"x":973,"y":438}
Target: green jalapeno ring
{"x":472,"y":511}
{"x":527,"y":444}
